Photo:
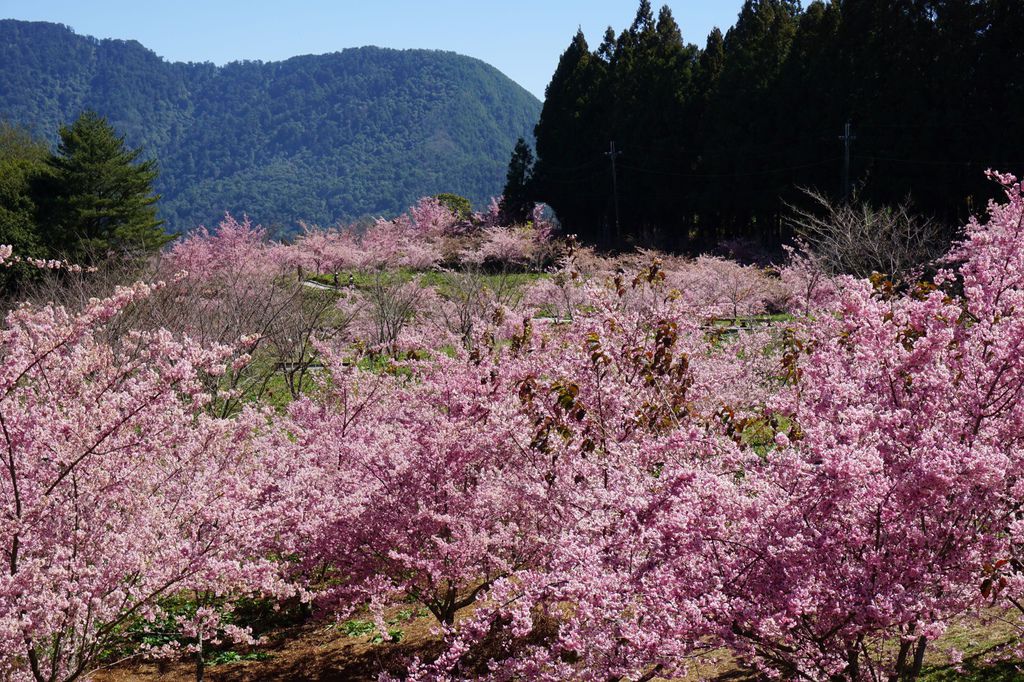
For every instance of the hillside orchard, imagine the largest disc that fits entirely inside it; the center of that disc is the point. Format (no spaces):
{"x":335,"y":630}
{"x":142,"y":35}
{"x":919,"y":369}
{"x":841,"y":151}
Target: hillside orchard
{"x":582,"y":468}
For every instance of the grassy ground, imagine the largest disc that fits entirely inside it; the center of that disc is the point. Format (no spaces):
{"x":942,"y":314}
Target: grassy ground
{"x":442,"y":281}
{"x":982,"y":645}
{"x":751,"y":321}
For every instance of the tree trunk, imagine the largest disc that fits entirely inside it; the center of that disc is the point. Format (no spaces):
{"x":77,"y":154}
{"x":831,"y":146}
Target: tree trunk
{"x":915,"y":672}
{"x":200,"y":663}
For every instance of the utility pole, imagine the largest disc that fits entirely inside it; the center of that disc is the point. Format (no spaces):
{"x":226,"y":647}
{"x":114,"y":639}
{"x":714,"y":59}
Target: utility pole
{"x":847,"y":137}
{"x":612,"y":153}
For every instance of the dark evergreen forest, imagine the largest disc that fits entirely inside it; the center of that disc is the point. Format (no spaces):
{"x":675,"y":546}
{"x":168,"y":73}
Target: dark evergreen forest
{"x":713,"y":144}
{"x":320,"y":138}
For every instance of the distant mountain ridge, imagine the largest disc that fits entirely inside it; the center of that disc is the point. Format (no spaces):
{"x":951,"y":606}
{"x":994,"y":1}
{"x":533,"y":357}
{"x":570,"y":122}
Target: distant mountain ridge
{"x":318,"y":138}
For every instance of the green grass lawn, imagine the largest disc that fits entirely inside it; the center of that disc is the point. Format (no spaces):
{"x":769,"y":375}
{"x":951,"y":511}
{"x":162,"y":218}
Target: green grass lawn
{"x":442,"y":281}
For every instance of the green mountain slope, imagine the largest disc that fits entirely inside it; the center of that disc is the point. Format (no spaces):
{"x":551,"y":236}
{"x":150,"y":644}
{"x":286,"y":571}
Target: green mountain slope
{"x":317,"y":138}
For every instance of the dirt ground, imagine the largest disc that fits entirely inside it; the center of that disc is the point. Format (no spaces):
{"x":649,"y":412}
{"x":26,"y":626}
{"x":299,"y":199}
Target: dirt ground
{"x":324,"y":652}
{"x":311,"y":652}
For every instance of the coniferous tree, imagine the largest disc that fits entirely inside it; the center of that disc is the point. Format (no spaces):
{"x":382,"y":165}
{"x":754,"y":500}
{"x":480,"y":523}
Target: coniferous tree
{"x":713,"y":145}
{"x":606,"y":50}
{"x":709,"y":65}
{"x":572,"y":173}
{"x":811,"y":77}
{"x":99,"y":200}
{"x":707,"y":72}
{"x":516,"y":200}
{"x":746,"y":142}
{"x":22,"y":165}
{"x":654,"y":79}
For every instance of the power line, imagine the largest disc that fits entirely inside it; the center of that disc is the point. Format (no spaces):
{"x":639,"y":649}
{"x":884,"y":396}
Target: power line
{"x":571,"y":169}
{"x":935,"y":162}
{"x":749,"y":150}
{"x":732,"y":175}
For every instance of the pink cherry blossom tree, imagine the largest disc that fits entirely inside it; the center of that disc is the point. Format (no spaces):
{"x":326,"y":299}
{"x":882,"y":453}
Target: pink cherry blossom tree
{"x":116,"y":489}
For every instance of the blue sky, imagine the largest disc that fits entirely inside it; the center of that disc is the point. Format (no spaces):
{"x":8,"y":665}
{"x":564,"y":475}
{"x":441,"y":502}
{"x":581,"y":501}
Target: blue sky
{"x":523,"y":39}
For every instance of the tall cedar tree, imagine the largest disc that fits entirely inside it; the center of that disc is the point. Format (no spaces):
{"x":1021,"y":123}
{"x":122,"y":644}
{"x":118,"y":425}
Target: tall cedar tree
{"x":100,"y":200}
{"x":715,"y":143}
{"x":516,"y":203}
{"x":650,"y":82}
{"x":573,"y":174}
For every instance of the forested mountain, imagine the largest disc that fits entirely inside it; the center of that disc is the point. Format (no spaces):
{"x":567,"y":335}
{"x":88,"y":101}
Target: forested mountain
{"x":712,"y":143}
{"x":318,"y":138}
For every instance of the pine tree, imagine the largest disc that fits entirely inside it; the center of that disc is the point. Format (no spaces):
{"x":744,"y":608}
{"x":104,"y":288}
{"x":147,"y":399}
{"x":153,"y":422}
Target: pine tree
{"x":652,"y":74}
{"x":571,"y":174}
{"x":517,"y":199}
{"x":709,"y":66}
{"x":22,"y":164}
{"x":100,"y":200}
{"x":742,"y":113}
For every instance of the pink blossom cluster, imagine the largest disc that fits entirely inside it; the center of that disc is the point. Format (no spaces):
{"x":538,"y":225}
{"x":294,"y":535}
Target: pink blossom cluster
{"x":431,"y":218}
{"x":117,"y":490}
{"x":723,"y":288}
{"x":617,"y":495}
{"x":8,"y":259}
{"x":612,"y":491}
{"x":427,"y":235}
{"x":513,"y":246}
